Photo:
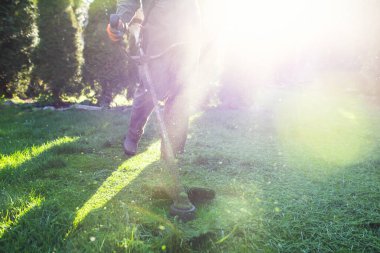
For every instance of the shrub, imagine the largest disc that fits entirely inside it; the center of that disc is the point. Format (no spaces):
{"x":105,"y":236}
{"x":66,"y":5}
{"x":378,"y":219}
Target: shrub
{"x":58,"y":55}
{"x":105,"y":67}
{"x":17,"y":39}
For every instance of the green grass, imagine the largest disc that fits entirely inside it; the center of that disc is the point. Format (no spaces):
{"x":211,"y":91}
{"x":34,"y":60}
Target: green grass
{"x":292,"y":176}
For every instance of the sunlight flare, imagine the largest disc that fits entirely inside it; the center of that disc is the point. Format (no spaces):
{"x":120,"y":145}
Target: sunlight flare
{"x":283,"y":24}
{"x":326,"y":123}
{"x":288,"y":42}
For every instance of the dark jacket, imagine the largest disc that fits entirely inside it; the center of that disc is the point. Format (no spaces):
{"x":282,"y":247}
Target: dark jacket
{"x":127,"y":8}
{"x":168,"y":22}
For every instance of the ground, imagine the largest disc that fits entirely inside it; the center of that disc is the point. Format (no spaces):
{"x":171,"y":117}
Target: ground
{"x":292,"y":174}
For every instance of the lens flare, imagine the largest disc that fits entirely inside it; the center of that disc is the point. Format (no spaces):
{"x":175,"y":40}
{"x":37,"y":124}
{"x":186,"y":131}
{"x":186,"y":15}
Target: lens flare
{"x":262,"y":39}
{"x":326,"y":123}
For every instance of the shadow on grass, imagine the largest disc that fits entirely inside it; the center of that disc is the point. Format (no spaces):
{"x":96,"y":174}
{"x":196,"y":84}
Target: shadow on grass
{"x":109,"y":214}
{"x":77,"y":215}
{"x":124,"y":216}
{"x":52,"y":176}
{"x":53,"y":223}
{"x":44,"y":226}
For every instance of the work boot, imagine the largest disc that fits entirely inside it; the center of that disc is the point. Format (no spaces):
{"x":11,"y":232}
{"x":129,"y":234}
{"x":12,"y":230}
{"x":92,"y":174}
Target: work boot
{"x":130,"y":146}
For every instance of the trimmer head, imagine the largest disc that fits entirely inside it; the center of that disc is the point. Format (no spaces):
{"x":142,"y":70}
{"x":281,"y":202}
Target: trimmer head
{"x":183,"y":214}
{"x":183,"y":208}
{"x":184,"y":204}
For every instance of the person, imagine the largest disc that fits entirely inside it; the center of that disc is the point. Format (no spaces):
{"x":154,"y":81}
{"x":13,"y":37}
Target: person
{"x":163,"y":23}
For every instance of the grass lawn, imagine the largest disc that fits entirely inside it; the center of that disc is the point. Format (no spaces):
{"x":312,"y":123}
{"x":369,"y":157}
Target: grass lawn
{"x":297,"y":174}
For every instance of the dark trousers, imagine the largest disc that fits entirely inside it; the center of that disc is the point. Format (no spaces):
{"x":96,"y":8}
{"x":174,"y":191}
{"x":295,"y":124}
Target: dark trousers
{"x":176,"y":117}
{"x":173,"y":75}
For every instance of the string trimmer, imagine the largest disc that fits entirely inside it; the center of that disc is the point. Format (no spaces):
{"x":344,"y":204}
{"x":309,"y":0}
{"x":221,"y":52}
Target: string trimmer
{"x":182,"y":207}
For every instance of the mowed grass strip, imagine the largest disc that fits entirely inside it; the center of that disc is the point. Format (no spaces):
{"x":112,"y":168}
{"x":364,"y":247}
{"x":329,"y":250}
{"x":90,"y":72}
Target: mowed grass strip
{"x":66,"y":185}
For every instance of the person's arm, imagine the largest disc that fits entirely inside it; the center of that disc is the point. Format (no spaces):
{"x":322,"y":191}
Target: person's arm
{"x":131,"y":17}
{"x":126,"y":9}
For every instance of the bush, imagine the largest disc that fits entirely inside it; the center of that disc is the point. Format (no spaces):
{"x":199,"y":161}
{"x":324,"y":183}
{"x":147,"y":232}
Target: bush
{"x":17,"y":39}
{"x":105,"y":68}
{"x":58,"y":55}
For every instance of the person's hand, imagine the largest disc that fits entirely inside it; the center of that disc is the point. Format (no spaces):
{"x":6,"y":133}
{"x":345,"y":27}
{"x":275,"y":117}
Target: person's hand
{"x":116,"y":34}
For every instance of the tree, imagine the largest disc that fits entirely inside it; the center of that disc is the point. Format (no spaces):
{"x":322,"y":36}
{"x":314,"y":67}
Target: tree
{"x":17,"y":39}
{"x":58,"y":55}
{"x":105,"y":67}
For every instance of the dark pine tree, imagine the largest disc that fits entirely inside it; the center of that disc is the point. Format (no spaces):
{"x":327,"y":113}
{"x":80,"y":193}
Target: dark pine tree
{"x":105,"y":67}
{"x":58,"y":55}
{"x":17,"y":37}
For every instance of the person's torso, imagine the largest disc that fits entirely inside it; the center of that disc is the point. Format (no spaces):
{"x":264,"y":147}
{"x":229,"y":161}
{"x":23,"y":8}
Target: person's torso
{"x":174,"y":11}
{"x":172,"y":19}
